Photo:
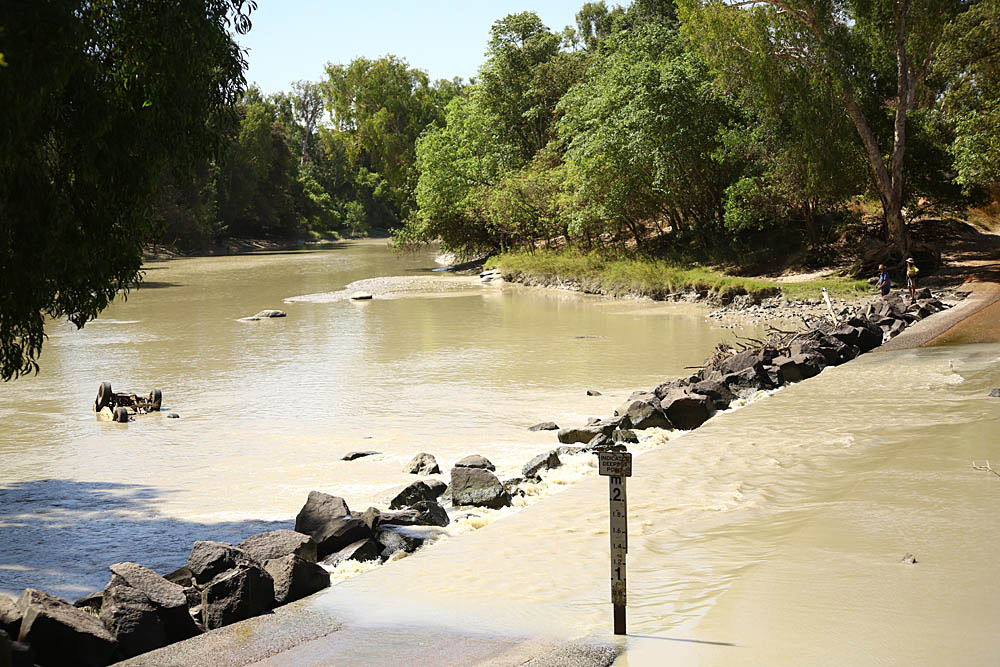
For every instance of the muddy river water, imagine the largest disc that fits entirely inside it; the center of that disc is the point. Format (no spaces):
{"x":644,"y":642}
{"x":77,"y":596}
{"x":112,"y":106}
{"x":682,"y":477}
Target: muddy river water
{"x":772,"y":535}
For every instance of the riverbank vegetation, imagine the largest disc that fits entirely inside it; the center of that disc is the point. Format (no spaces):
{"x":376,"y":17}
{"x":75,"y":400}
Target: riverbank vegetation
{"x":601,"y":273}
{"x":751,"y":134}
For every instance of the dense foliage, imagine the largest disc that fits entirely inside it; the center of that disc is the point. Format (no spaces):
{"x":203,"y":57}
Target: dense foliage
{"x":695,"y":129}
{"x":99,"y":99}
{"x":698,"y":129}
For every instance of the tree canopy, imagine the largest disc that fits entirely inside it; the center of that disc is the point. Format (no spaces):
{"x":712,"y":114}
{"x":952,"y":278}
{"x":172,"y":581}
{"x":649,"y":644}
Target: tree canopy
{"x":99,"y":99}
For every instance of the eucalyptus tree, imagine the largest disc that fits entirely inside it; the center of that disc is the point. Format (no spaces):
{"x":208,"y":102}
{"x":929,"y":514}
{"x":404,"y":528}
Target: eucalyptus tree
{"x":874,"y":56}
{"x":969,"y":68}
{"x":99,"y":97}
{"x":641,"y":133}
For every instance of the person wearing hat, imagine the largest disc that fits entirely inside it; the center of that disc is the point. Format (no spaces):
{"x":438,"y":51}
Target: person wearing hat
{"x":911,"y":278}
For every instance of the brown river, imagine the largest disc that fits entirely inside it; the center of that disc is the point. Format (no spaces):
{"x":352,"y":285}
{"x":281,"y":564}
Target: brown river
{"x":772,"y":535}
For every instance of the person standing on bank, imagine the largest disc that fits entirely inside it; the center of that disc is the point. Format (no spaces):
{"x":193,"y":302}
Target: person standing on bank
{"x":883,"y":280}
{"x":911,"y":279}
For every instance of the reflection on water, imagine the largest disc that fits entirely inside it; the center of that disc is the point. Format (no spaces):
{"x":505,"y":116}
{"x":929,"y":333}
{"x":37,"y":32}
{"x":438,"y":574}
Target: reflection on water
{"x":268,"y":408}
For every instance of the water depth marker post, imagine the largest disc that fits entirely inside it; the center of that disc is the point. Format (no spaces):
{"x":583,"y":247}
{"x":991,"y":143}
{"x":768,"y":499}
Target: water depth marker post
{"x":617,"y":466}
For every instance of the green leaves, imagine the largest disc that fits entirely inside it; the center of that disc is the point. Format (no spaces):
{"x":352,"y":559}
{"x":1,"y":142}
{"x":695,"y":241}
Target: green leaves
{"x":97,"y":107}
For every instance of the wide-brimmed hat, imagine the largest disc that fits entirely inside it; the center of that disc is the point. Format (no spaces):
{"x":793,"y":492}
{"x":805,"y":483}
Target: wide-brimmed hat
{"x":909,"y":260}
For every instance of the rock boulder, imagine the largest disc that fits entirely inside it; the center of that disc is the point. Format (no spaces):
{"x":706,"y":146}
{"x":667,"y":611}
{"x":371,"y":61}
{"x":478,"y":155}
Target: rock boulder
{"x":413,"y":493}
{"x":133,"y":620}
{"x":210,"y":559}
{"x":362,"y":550}
{"x":479,"y":487}
{"x":541,"y":462}
{"x":295,"y":578}
{"x":238,"y":594}
{"x":687,"y":411}
{"x":61,"y":634}
{"x":544,"y":426}
{"x":422,"y":464}
{"x":475,"y":461}
{"x":279,"y":543}
{"x":320,"y":515}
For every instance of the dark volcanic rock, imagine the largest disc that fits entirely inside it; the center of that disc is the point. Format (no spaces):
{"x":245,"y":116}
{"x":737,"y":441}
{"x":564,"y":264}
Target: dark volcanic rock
{"x":393,"y":540}
{"x":61,"y":634}
{"x":437,"y":487}
{"x":593,"y":392}
{"x":624,"y":435}
{"x":745,"y":382}
{"x":602,"y":443}
{"x":646,"y":413}
{"x":320,"y":516}
{"x":541,"y":462}
{"x":568,"y":436}
{"x":565,"y":450}
{"x":341,"y":532}
{"x":351,"y":456}
{"x":669,"y":387}
{"x":687,"y":411}
{"x":994,"y":392}
{"x":241,"y":593}
{"x":295,"y":578}
{"x":847,"y":335}
{"x":133,"y":620}
{"x":170,"y":599}
{"x":279,"y":543}
{"x":413,"y":493}
{"x":479,"y":487}
{"x":362,"y":550}
{"x":475,"y":461}
{"x":430,"y":513}
{"x":717,"y":391}
{"x":788,"y":370}
{"x":422,"y":464}
{"x":14,"y":653}
{"x":644,"y":396}
{"x":210,"y":559}
{"x":544,"y":426}
{"x":160,"y":592}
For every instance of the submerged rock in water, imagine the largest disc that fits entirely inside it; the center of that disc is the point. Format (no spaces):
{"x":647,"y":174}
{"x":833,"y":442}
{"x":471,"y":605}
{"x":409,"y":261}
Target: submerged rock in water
{"x":265,"y":314}
{"x":994,"y":392}
{"x":350,"y":456}
{"x":544,"y":426}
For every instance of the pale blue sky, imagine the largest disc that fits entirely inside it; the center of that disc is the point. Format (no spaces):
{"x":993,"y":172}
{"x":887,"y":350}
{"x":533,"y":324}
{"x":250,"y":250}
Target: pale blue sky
{"x":294,"y":39}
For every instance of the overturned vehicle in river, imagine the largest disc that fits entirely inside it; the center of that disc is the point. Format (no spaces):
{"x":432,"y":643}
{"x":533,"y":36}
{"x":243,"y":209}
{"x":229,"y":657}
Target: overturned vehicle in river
{"x":120,"y":406}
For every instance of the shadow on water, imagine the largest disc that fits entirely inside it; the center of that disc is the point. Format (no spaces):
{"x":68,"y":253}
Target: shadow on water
{"x":60,"y":535}
{"x":683,"y":640}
